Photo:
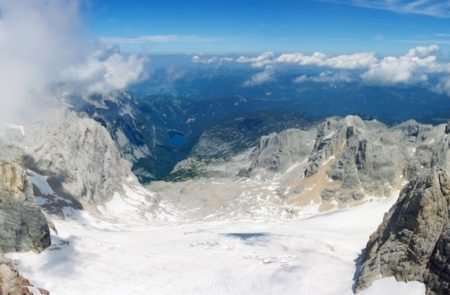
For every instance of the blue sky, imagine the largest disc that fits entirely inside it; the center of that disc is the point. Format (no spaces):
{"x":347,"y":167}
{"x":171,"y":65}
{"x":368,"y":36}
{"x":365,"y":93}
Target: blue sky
{"x":250,"y":26}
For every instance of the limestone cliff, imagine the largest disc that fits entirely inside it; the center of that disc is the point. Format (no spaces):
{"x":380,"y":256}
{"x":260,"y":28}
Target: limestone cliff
{"x":23,"y":226}
{"x":412,"y":243}
{"x":79,"y":156}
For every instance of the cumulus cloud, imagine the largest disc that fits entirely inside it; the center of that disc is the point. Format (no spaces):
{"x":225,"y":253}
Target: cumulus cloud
{"x":422,"y":51}
{"x":351,"y":61}
{"x":326,"y":77}
{"x":104,"y":72}
{"x":319,"y":59}
{"x":301,"y":59}
{"x":261,"y":77}
{"x":259,"y":61}
{"x":269,"y":61}
{"x":417,"y":65}
{"x":42,"y":44}
{"x":410,"y":68}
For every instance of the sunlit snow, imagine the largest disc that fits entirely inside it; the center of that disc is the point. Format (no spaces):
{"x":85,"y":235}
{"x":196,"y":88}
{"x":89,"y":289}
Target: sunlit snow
{"x":306,"y":256}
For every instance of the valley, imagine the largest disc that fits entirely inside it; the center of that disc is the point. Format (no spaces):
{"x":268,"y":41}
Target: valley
{"x":224,"y":147}
{"x":261,"y":216}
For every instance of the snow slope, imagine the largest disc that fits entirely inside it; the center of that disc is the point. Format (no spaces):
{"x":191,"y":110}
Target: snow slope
{"x":305,"y":256}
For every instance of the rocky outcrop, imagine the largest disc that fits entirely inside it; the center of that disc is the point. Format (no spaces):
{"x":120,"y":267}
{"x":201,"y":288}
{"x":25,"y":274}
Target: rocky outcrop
{"x":231,"y":137}
{"x":412,"y":243}
{"x":331,"y":135}
{"x":359,"y":157}
{"x":277,"y":151}
{"x":334,"y":163}
{"x":23,"y":226}
{"x":79,"y":156}
{"x":12,"y":283}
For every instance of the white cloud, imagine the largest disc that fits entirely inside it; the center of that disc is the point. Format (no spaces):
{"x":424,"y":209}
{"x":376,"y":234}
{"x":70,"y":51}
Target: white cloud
{"x":422,"y":51}
{"x":417,"y":65}
{"x":41,"y":42}
{"x":350,"y":61}
{"x":261,"y":77}
{"x":36,"y":43}
{"x":317,"y":58}
{"x":104,"y":72}
{"x":393,"y":70}
{"x":211,"y":59}
{"x":326,"y":77}
{"x":259,"y":61}
{"x":410,"y":68}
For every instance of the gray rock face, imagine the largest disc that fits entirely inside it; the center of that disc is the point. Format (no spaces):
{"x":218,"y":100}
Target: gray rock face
{"x":412,"y":243}
{"x":363,"y":157}
{"x":334,"y":164}
{"x":331,"y":135}
{"x":437,"y":274}
{"x":23,"y":226}
{"x":79,"y":156}
{"x":278,"y":151}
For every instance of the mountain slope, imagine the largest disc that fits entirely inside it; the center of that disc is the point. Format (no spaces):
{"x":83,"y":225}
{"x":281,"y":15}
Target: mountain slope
{"x":335,"y":163}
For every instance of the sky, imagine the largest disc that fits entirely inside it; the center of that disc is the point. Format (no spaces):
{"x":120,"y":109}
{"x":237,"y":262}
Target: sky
{"x":52,"y":47}
{"x":251,"y":26}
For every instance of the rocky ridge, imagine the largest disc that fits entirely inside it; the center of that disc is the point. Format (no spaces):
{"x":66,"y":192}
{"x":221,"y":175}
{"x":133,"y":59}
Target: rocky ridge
{"x":76,"y":154}
{"x":61,"y":161}
{"x":335,"y":163}
{"x":74,"y":163}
